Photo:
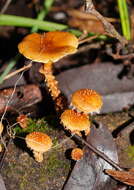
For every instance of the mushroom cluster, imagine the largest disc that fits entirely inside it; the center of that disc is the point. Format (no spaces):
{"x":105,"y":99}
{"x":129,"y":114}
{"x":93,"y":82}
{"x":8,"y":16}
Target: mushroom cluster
{"x":84,"y":102}
{"x":77,"y":120}
{"x":48,"y":48}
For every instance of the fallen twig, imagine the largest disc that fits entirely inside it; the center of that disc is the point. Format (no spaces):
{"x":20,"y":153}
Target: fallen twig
{"x":109,"y":28}
{"x":88,"y":39}
{"x":18,"y":71}
{"x":101,"y":154}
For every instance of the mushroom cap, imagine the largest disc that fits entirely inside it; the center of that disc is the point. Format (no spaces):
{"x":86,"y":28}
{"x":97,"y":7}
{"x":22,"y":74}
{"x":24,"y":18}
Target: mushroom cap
{"x":22,"y":120}
{"x":77,"y":154}
{"x":87,"y":100}
{"x":75,"y":121}
{"x":38,"y":141}
{"x":48,"y":47}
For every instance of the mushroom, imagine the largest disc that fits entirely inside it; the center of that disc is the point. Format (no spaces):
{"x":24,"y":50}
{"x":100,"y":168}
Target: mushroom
{"x":22,"y":120}
{"x":77,"y":154}
{"x":48,"y":48}
{"x":39,"y":142}
{"x":87,"y":101}
{"x":75,"y":122}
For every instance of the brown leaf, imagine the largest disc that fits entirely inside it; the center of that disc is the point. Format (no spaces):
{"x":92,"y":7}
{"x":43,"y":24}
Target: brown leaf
{"x":86,"y":22}
{"x":122,"y":176}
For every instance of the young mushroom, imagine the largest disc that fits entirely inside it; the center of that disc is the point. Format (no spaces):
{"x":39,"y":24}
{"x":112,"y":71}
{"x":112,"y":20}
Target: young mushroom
{"x":48,"y":48}
{"x":77,"y":154}
{"x":39,"y":143}
{"x":22,"y":120}
{"x":87,"y":101}
{"x":75,"y":122}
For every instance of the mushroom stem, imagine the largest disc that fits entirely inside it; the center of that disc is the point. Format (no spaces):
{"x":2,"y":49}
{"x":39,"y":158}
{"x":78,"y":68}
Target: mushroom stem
{"x":52,"y":84}
{"x":38,"y":156}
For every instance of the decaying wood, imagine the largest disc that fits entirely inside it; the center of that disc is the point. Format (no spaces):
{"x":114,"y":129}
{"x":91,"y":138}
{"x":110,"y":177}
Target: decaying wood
{"x":24,"y":96}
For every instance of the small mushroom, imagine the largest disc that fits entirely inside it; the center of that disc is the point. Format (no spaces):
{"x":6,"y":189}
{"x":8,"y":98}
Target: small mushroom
{"x":48,"y":48}
{"x":39,"y":142}
{"x":22,"y":120}
{"x":77,"y":154}
{"x":75,"y":122}
{"x":87,"y":101}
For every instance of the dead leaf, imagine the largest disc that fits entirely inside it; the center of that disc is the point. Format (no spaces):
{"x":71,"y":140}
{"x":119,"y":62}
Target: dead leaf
{"x":88,"y":173}
{"x":122,"y":176}
{"x":86,"y":22}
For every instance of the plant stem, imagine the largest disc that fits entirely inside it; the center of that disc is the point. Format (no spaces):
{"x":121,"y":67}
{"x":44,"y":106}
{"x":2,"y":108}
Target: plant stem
{"x":123,"y":11}
{"x":11,"y":20}
{"x":42,"y":14}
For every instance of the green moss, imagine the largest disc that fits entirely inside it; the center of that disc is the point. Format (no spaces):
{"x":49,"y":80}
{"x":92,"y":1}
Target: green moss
{"x":130,"y":152}
{"x":54,"y":163}
{"x":46,"y":125}
{"x":24,"y":182}
{"x":53,"y":166}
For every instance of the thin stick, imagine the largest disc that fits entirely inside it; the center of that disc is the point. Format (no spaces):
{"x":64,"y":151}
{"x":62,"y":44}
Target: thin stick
{"x":101,"y":154}
{"x":88,"y":39}
{"x":18,"y":71}
{"x":5,"y":6}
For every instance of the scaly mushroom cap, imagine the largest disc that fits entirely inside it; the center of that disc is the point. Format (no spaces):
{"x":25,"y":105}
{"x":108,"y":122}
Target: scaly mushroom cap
{"x":22,"y":120}
{"x":87,"y":101}
{"x":50,"y":46}
{"x":75,"y":121}
{"x":77,"y":154}
{"x":38,"y":141}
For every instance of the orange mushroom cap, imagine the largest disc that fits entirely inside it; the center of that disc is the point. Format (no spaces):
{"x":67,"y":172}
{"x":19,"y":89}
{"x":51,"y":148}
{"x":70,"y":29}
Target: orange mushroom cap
{"x":77,"y":154}
{"x":87,"y":100}
{"x":75,"y":121}
{"x":22,"y":120}
{"x":48,"y":47}
{"x":38,"y":141}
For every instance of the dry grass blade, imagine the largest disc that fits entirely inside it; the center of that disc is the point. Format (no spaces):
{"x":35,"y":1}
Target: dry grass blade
{"x":88,"y":39}
{"x":18,"y":71}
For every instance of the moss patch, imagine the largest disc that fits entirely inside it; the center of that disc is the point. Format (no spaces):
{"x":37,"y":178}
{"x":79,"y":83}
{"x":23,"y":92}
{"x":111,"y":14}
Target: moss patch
{"x":46,"y":125}
{"x":130,"y":152}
